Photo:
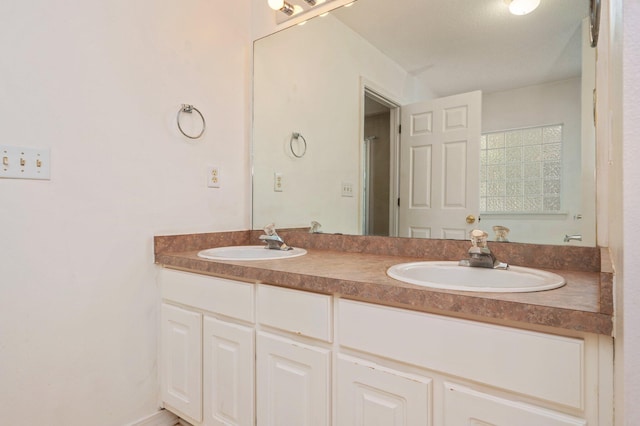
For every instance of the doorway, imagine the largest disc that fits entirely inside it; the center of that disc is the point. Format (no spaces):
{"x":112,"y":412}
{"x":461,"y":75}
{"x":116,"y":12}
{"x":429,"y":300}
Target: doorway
{"x":379,"y":154}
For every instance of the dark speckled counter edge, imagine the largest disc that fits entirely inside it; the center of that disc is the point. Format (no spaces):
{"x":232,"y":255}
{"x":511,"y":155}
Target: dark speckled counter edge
{"x":178,"y":251}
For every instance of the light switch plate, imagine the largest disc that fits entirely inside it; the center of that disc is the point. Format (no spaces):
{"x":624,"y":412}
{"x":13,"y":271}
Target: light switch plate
{"x":17,"y":162}
{"x":347,"y":189}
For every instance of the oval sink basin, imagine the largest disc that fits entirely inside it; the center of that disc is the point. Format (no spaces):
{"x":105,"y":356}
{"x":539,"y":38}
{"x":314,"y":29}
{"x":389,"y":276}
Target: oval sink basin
{"x":451,"y":276}
{"x":249,"y":253}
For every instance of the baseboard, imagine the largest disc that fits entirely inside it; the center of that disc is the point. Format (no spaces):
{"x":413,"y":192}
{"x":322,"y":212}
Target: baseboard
{"x":159,"y":418}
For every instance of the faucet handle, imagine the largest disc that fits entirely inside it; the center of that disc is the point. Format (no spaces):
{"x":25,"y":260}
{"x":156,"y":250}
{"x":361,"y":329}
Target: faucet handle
{"x":270,"y":229}
{"x":478,"y":238}
{"x":315,"y":227}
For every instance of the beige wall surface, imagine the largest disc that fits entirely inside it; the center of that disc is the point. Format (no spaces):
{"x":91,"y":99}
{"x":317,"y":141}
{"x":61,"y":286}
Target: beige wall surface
{"x":626,"y":208}
{"x":100,"y":84}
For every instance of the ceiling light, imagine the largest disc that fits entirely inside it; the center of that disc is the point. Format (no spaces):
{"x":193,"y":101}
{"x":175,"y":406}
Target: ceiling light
{"x":282,"y":6}
{"x":522,"y":7}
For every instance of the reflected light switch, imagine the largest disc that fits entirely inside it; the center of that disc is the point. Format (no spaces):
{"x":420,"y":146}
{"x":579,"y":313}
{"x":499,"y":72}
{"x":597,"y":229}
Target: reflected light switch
{"x":278,"y":182}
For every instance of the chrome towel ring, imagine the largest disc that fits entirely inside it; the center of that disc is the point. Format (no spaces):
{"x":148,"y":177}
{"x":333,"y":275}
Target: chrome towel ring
{"x":189,"y":109}
{"x":296,"y":136}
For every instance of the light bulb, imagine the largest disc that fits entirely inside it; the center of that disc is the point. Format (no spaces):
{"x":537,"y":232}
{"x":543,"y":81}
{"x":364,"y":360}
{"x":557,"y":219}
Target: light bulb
{"x":522,"y":7}
{"x":276,"y":4}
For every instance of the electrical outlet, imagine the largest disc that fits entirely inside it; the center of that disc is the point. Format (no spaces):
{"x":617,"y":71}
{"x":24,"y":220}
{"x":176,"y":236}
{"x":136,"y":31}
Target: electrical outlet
{"x":25,"y":163}
{"x":213,"y":177}
{"x":347,"y":189}
{"x":278,"y":183}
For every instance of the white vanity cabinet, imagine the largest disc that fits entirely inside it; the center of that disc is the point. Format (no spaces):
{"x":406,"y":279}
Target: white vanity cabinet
{"x":228,"y":373}
{"x":236,"y":353}
{"x":370,"y":394}
{"x":207,"y":359}
{"x":466,"y":372}
{"x":180,"y":369}
{"x":292,"y":382}
{"x":293,"y":357}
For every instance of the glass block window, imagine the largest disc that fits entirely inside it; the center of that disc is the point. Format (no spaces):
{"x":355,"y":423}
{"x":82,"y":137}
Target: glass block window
{"x":521,"y":170}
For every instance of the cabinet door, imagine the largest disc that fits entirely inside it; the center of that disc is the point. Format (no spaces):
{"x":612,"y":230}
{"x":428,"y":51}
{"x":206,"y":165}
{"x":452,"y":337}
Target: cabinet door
{"x":181,"y":361}
{"x":228,"y":373}
{"x":292,"y":382}
{"x":372,"y":395}
{"x":465,"y":406}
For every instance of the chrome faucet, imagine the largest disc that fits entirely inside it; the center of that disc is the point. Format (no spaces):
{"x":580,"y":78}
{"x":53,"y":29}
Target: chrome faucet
{"x":315,"y":227}
{"x":479,"y":254}
{"x":272,"y":240}
{"x":577,"y":237}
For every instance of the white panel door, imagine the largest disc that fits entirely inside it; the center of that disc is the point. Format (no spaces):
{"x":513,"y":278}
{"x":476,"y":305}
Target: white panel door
{"x":440,"y":166}
{"x":465,"y":406}
{"x":293,"y":386}
{"x":372,"y":395}
{"x":228,"y":369}
{"x":181,"y":361}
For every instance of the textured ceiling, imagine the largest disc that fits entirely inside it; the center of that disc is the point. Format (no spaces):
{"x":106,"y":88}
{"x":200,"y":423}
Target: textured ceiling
{"x":457,"y":46}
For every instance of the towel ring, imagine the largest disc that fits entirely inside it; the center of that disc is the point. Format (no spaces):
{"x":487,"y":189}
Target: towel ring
{"x":296,"y":136}
{"x":189,"y":109}
{"x":594,"y":21}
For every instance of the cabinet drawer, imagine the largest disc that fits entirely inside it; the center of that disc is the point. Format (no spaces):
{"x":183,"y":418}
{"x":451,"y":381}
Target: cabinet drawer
{"x":465,"y":406}
{"x":300,"y":312}
{"x":540,"y":365}
{"x":218,"y":295}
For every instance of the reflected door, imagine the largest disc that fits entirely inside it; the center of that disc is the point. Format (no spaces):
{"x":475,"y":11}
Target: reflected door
{"x":439,"y":166}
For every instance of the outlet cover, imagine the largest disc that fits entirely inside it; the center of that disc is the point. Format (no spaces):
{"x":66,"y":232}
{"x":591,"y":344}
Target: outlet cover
{"x":278,"y":182}
{"x":213,"y":177}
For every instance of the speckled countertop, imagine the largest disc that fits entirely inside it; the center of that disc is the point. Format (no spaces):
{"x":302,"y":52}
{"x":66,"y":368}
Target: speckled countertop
{"x":355,"y":268}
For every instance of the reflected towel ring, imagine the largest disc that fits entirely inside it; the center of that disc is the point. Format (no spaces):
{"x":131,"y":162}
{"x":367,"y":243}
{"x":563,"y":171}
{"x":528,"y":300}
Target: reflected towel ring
{"x":594,"y":21}
{"x":189,"y":109}
{"x":296,"y":136}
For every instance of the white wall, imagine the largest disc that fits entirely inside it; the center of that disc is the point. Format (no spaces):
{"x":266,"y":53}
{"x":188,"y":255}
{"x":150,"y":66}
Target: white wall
{"x":308,"y":80}
{"x":546,"y":104}
{"x":631,"y":206}
{"x":624,"y":201}
{"x":100,"y":84}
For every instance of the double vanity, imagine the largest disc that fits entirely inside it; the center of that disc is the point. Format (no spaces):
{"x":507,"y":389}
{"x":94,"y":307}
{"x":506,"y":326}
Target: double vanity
{"x":327,"y":336}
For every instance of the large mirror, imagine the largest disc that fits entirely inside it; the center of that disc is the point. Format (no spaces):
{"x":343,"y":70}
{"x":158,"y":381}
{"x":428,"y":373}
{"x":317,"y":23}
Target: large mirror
{"x":385,"y":118}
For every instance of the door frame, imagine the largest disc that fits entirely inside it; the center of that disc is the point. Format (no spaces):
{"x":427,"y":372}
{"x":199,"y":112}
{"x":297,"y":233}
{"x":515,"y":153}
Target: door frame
{"x":382,"y":96}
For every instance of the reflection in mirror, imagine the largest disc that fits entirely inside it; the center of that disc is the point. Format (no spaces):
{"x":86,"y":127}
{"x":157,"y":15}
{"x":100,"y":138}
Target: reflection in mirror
{"x":346,"y":81}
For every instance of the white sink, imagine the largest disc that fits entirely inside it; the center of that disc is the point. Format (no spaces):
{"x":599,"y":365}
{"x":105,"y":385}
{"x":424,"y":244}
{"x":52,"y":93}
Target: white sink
{"x":451,"y":276}
{"x":249,"y":253}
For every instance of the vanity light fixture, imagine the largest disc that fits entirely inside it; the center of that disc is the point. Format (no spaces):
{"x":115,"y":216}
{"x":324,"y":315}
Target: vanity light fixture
{"x":282,"y":6}
{"x":522,"y":7}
